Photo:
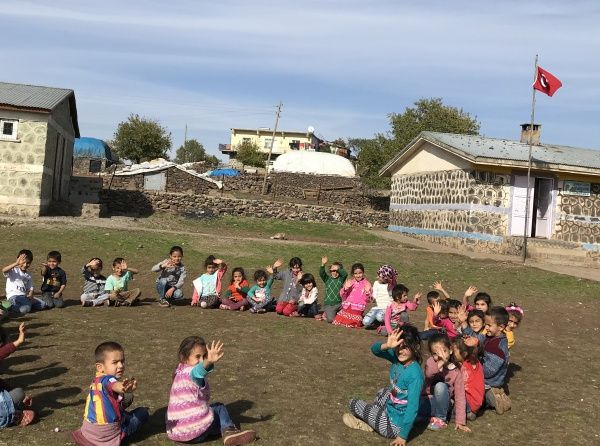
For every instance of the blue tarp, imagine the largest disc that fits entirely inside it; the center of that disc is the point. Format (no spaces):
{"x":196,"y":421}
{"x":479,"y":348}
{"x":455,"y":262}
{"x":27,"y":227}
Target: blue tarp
{"x":92,"y":148}
{"x":224,"y":172}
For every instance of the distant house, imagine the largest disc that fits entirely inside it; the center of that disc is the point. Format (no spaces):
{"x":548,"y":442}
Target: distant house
{"x":91,"y":156}
{"x":285,"y":141}
{"x":472,"y":190}
{"x":37,"y":128}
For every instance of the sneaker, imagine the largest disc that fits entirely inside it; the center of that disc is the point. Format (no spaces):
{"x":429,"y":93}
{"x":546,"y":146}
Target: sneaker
{"x":26,"y":417}
{"x":499,"y":400}
{"x":242,"y":308}
{"x":355,"y":423}
{"x":253,"y":310}
{"x":236,"y":437}
{"x":471,"y":416}
{"x":164,"y":303}
{"x":295,"y":314}
{"x":86,"y":303}
{"x":203,"y":304}
{"x":224,"y":307}
{"x":106,"y":303}
{"x":436,"y":424}
{"x":261,"y":311}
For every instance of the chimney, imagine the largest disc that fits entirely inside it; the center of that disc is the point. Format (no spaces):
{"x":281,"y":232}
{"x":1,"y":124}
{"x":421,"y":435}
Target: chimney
{"x":526,"y":133}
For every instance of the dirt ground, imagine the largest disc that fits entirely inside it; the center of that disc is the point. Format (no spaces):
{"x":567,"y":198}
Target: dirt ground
{"x":290,"y":379}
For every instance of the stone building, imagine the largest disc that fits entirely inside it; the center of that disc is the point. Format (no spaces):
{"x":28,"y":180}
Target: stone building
{"x":91,"y":156}
{"x":37,"y":129}
{"x":466,"y":190}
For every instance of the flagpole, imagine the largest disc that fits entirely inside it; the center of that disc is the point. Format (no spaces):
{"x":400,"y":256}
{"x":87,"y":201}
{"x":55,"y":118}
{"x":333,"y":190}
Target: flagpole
{"x":525,"y":230}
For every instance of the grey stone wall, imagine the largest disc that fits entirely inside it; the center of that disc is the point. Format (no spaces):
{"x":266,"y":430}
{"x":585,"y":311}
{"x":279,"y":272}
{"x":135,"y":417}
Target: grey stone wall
{"x":177,"y":181}
{"x":579,"y":219}
{"x":145,"y":203}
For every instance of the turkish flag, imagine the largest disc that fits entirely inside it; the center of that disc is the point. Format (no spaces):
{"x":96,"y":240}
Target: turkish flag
{"x":546,"y":82}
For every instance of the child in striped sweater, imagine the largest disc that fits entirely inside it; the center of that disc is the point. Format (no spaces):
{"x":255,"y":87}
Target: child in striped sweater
{"x":190,"y":417}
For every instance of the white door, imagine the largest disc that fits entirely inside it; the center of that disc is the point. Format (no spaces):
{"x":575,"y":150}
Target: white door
{"x":543,"y":207}
{"x":519,"y":199}
{"x":155,"y":181}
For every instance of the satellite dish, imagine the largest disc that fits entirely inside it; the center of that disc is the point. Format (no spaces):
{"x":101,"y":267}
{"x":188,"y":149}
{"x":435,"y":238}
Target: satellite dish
{"x":310,"y":129}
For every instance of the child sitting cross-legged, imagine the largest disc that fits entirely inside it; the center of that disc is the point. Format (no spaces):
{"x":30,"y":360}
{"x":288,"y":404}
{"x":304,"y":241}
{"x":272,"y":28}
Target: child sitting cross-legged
{"x":441,"y":310}
{"x":117,"y":284}
{"x":15,"y":406}
{"x":207,"y":287}
{"x":259,"y":296}
{"x":235,"y":296}
{"x":467,"y":354}
{"x":396,"y":314}
{"x":334,"y":281}
{"x":495,"y":356}
{"x":307,"y":303}
{"x":93,"y":284}
{"x":54,"y":281}
{"x":382,"y":295}
{"x":190,"y":417}
{"x":19,"y":285}
{"x":287,"y":303}
{"x":105,"y":420}
{"x":355,"y":294}
{"x":444,"y":387}
{"x":172,"y":276}
{"x":393,"y":412}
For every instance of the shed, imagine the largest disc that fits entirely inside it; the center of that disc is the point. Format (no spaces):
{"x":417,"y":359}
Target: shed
{"x":91,"y":155}
{"x":315,"y":163}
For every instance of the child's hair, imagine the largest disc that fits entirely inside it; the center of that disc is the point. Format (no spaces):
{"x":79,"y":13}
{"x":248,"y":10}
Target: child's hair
{"x":99,"y":261}
{"x":484,"y":297}
{"x":453,"y":303}
{"x":516,"y":311}
{"x":295,"y":262}
{"x":187,"y":345}
{"x":176,"y":248}
{"x":471,"y":353}
{"x":398,"y":291}
{"x":308,"y":278}
{"x":410,"y":335}
{"x":54,"y":255}
{"x":118,"y":261}
{"x":499,"y":315}
{"x":359,"y":266}
{"x":476,"y":313}
{"x":439,"y":338}
{"x":338,"y":264}
{"x":444,"y":307}
{"x":240,"y":270}
{"x":432,"y":296}
{"x":210,"y":260}
{"x":260,"y":274}
{"x":27,"y":253}
{"x":106,"y":347}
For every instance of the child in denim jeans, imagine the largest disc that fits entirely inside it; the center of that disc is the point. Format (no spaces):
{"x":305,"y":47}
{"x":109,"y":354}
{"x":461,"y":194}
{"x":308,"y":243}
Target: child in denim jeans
{"x":171,"y":278}
{"x":54,"y":281}
{"x":19,"y":285}
{"x":382,"y":294}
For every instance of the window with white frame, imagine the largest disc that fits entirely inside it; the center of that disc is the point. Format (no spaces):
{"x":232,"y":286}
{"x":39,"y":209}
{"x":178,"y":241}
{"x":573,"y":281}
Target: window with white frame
{"x":268,"y":143}
{"x":8,"y":129}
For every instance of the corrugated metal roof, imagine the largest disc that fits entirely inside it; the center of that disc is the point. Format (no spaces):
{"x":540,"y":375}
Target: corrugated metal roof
{"x":32,"y":96}
{"x":504,"y":149}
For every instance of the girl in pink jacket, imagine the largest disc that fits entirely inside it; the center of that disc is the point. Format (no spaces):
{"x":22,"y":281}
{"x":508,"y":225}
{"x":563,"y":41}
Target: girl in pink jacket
{"x":355,"y":294}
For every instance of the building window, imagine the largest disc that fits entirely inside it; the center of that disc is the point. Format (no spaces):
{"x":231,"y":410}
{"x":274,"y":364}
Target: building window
{"x":246,"y":140}
{"x":8,"y":129}
{"x":268,"y":143}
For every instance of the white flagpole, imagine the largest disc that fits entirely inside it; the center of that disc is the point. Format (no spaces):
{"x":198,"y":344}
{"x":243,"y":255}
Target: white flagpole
{"x":529,"y":163}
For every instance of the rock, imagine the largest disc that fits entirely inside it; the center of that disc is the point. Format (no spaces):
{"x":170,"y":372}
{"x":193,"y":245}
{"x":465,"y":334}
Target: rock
{"x":278,"y":236}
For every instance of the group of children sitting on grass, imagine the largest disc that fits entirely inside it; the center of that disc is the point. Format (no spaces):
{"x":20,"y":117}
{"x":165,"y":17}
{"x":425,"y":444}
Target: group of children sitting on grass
{"x":468,"y":345}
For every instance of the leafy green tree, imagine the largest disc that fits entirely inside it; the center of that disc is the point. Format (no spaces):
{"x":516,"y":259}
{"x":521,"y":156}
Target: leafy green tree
{"x":249,"y":154}
{"x":139,"y":139}
{"x":192,"y":152}
{"x":427,"y":114}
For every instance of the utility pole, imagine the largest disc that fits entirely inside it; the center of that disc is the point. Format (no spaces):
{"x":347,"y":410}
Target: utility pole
{"x":264,"y":188}
{"x":185,"y":136}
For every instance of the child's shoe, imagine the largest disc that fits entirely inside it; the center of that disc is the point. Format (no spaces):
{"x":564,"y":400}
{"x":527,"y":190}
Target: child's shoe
{"x":253,"y":310}
{"x":233,"y":436}
{"x":436,"y":424}
{"x":26,"y":417}
{"x":203,"y":304}
{"x":164,"y":303}
{"x":500,"y":400}
{"x":355,"y":423}
{"x":471,"y":416}
{"x":295,"y":314}
{"x":261,"y":311}
{"x":223,"y":307}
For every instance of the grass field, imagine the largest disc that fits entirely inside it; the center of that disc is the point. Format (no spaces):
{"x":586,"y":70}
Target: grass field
{"x":290,"y":379}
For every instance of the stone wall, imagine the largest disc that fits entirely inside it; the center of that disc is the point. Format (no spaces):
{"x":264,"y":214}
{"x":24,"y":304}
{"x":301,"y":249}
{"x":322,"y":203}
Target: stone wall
{"x":321,"y":189}
{"x":145,"y":203}
{"x":579,"y":219}
{"x":22,"y":165}
{"x":177,"y":181}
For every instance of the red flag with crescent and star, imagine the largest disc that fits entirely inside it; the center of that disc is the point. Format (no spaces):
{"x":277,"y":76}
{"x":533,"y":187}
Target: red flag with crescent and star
{"x":546,"y":82}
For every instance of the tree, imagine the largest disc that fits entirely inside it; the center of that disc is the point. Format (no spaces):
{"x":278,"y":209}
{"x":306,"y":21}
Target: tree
{"x":140,"y":139}
{"x":249,"y":154}
{"x":192,"y":152}
{"x":427,"y":114}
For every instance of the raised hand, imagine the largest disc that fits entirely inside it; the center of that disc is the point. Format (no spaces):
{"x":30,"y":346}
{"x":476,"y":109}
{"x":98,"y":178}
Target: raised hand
{"x":21,"y":337}
{"x":398,"y":441}
{"x":277,"y":263}
{"x":129,"y":385}
{"x":324,"y":260}
{"x":470,"y":291}
{"x":124,"y":265}
{"x":214,"y":352}
{"x":463,"y":315}
{"x":417,"y":298}
{"x":437,"y":285}
{"x":393,"y":339}
{"x":436,"y":308}
{"x":269,"y":269}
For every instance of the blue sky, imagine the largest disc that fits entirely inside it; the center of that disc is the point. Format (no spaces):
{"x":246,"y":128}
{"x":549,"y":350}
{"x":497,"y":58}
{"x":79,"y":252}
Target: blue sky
{"x":339,"y":65}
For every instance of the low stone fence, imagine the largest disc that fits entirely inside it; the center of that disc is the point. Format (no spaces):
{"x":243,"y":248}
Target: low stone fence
{"x":146,"y":203}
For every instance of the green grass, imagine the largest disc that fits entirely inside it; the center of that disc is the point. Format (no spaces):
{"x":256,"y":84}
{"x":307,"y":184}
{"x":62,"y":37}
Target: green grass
{"x":290,"y":379}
